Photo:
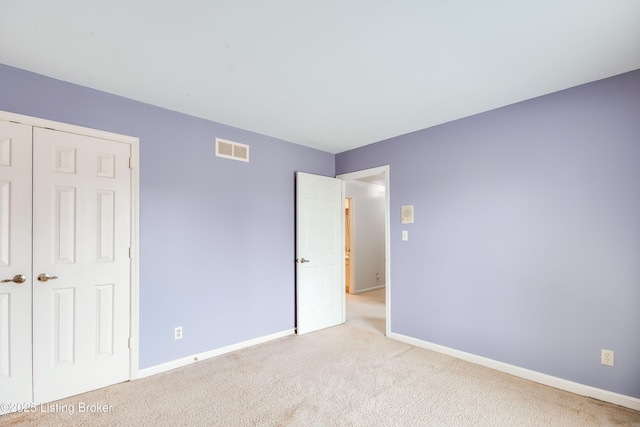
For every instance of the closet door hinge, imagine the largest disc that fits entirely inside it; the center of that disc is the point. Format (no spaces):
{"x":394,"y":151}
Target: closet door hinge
{"x":130,"y":163}
{"x":129,"y":343}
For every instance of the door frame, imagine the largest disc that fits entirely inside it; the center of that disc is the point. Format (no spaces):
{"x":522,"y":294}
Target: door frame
{"x":387,"y":233}
{"x":134,"y":143}
{"x":348,"y":277}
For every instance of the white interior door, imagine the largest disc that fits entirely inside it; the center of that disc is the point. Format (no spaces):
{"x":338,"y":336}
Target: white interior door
{"x":81,"y":263}
{"x":15,"y":261}
{"x":319,"y":252}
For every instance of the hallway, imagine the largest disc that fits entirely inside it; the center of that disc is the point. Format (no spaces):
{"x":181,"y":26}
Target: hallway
{"x":367,"y":310}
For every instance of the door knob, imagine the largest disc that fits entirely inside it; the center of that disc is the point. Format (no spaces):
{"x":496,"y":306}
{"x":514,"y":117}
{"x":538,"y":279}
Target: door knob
{"x":302,"y":260}
{"x":45,"y":277}
{"x":18,"y":278}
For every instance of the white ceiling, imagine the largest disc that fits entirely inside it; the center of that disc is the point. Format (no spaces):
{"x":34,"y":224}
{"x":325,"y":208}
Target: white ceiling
{"x":329,"y":74}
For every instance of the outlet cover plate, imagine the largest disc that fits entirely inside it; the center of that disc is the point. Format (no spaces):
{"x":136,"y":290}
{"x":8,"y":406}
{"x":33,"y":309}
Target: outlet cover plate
{"x":606,"y":357}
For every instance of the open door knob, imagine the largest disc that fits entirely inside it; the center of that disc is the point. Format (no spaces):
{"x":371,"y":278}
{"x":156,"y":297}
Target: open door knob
{"x":302,"y":260}
{"x":18,"y":278}
{"x":45,"y":277}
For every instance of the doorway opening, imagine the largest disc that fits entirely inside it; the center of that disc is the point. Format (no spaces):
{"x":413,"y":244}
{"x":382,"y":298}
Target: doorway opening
{"x":347,"y":243}
{"x":366,"y":226}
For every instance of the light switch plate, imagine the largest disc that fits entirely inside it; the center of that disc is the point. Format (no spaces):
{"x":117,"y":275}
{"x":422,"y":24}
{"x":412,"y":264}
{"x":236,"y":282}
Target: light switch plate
{"x":405,"y":235}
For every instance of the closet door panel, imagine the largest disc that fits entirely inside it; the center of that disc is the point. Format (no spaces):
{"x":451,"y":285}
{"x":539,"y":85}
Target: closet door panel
{"x":82,"y":234}
{"x":15,"y":265}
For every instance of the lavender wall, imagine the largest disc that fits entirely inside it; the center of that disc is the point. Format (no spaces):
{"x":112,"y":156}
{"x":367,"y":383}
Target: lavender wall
{"x":216,"y":235}
{"x":526,"y":242}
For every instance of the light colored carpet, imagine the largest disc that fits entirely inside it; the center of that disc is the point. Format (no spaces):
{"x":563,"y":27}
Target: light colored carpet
{"x":341,"y":376}
{"x":367,"y":311}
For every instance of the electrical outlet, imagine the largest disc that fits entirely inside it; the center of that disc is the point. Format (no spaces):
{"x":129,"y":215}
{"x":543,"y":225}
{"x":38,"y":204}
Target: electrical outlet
{"x":606,"y":357}
{"x":177,"y":333}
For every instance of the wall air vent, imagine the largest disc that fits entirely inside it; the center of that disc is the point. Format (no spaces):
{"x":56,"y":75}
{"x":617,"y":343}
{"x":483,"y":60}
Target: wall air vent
{"x":232,"y":150}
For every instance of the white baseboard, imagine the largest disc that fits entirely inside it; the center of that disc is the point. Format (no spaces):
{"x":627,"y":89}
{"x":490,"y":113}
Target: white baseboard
{"x":559,"y":383}
{"x":361,"y":291}
{"x":143,"y":373}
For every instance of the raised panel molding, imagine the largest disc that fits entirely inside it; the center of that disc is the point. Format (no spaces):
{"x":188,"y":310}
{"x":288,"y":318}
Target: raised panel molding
{"x":104,"y":320}
{"x":313,"y":276}
{"x":106,"y":225}
{"x":330,"y":276}
{"x":5,"y":214}
{"x":331,"y":228}
{"x":5,"y":150}
{"x":313,"y":219}
{"x":64,"y":319}
{"x":106,"y":166}
{"x":65,"y":159}
{"x":65,"y":217}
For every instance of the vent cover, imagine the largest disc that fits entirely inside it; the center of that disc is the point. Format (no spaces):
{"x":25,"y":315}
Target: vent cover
{"x":232,"y":150}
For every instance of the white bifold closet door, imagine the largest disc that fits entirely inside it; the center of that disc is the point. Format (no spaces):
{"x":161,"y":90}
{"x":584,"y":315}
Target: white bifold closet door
{"x":15,"y":262}
{"x":68,"y":232}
